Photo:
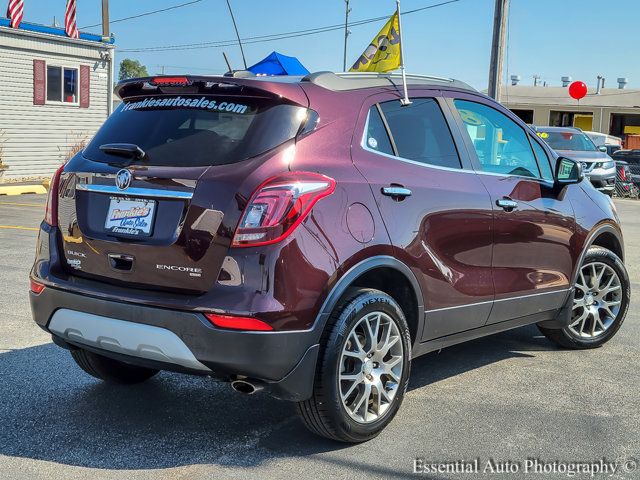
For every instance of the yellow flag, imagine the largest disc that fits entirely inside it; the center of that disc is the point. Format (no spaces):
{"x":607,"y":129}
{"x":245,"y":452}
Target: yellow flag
{"x":383,"y":53}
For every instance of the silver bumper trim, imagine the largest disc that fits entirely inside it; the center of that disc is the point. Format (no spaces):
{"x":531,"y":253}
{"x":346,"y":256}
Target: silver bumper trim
{"x":120,"y":336}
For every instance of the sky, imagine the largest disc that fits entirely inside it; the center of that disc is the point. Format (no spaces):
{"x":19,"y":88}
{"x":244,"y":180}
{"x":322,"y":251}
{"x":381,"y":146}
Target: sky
{"x":550,"y":38}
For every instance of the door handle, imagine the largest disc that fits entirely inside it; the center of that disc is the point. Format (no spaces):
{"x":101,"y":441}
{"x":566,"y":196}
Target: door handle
{"x":507,"y":204}
{"x":396,"y":192}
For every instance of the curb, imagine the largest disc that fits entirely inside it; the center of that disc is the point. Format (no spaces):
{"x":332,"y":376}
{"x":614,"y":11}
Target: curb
{"x":10,"y":190}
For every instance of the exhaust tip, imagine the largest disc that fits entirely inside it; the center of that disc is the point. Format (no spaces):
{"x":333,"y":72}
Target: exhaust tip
{"x":245,"y":387}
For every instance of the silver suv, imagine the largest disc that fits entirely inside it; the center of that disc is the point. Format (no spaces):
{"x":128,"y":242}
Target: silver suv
{"x":573,"y":143}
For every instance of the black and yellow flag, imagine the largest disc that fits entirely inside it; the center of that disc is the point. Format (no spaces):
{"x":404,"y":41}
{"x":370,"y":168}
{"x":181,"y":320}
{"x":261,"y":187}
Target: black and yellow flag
{"x":383,"y":53}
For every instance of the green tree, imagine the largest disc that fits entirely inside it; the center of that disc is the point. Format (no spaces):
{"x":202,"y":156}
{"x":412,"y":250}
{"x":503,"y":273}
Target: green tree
{"x":132,"y":69}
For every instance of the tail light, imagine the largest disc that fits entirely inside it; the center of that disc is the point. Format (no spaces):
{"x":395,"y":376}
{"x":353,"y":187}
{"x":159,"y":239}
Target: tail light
{"x":36,"y":287}
{"x":238,"y":323}
{"x":278,"y":206}
{"x":623,"y":175}
{"x":51,"y":211}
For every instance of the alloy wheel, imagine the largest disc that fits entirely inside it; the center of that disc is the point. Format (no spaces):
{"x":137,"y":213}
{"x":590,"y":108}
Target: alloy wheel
{"x":598,"y":297}
{"x":371,"y":367}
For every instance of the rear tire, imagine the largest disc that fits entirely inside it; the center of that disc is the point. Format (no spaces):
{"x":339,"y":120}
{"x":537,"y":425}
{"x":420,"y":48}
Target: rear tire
{"x":110,"y":370}
{"x":602,"y":295}
{"x":360,"y":382}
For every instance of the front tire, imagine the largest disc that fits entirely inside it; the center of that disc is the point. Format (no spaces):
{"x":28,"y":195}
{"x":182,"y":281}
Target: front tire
{"x":363,"y":369}
{"x":110,"y":370}
{"x":602,"y":294}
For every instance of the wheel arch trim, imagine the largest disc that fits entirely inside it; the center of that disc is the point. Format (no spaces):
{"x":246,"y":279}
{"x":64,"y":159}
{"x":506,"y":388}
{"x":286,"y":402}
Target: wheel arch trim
{"x":589,"y":242}
{"x":346,"y":280}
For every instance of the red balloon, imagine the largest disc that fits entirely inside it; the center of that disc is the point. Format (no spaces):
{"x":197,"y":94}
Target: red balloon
{"x":578,"y":90}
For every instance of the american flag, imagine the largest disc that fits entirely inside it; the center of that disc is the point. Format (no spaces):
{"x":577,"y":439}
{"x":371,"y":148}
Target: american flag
{"x":15,"y":12}
{"x":70,"y":20}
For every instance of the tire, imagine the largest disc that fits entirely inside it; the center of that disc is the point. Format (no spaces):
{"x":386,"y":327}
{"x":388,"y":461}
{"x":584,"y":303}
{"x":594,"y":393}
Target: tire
{"x":590,"y":332}
{"x":110,"y":370}
{"x":325,"y":413}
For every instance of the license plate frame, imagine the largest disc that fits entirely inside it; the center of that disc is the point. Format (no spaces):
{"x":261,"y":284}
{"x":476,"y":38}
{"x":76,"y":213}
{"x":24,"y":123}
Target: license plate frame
{"x":130,"y":217}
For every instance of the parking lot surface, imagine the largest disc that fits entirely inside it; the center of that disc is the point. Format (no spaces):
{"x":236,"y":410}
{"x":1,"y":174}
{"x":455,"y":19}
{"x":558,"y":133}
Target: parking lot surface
{"x":508,"y":397}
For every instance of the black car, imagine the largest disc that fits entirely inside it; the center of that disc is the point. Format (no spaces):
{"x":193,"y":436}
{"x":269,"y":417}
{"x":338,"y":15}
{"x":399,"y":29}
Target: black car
{"x":632,"y":157}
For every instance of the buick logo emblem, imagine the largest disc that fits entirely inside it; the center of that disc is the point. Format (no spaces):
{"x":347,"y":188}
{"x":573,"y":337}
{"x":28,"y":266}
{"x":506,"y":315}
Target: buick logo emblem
{"x":123,"y":179}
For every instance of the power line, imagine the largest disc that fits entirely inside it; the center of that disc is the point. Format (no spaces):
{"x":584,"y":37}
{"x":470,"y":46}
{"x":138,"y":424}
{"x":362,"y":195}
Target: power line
{"x":145,"y":14}
{"x":278,"y":36}
{"x":181,"y":67}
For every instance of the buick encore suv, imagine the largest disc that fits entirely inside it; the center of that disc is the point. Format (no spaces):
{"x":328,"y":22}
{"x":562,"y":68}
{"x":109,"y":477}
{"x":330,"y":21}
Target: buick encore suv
{"x":573,"y":143}
{"x":309,"y":237}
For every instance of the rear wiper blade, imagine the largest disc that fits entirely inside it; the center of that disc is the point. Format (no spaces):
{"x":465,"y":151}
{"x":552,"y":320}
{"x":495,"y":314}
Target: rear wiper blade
{"x":128,"y":150}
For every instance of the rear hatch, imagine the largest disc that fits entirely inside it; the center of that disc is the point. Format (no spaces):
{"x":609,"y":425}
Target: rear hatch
{"x":154,"y":198}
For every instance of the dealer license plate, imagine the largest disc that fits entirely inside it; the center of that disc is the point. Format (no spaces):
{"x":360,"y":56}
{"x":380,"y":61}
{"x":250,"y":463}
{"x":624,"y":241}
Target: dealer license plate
{"x":132,"y":217}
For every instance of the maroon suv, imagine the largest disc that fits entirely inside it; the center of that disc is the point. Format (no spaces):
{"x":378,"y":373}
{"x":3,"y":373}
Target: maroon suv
{"x":310,"y":236}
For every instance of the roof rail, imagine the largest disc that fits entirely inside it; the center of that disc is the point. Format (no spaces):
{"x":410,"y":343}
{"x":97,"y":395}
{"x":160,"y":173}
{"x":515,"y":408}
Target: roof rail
{"x":354,"y":80}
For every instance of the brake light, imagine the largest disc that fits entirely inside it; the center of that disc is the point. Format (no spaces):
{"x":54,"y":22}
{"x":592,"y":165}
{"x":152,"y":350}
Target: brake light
{"x":51,"y":210}
{"x":238,"y":323}
{"x":278,"y":206}
{"x":170,"y":81}
{"x":36,"y":287}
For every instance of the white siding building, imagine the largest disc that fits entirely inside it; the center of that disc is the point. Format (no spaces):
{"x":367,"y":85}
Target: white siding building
{"x":55,"y":92}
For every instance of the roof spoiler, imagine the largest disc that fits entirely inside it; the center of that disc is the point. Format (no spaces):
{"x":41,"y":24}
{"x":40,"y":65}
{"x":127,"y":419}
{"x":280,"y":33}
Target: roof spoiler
{"x":202,"y":84}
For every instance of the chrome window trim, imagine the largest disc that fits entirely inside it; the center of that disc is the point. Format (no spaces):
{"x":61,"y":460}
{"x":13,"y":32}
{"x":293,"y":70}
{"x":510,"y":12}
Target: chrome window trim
{"x":365,"y":147}
{"x":134,"y":192}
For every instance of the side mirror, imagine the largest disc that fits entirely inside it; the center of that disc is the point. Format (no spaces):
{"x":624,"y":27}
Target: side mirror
{"x":568,"y":171}
{"x":602,"y":148}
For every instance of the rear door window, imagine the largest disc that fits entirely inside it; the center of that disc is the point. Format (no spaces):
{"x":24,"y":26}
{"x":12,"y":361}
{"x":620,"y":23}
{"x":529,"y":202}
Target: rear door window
{"x":420,"y":132}
{"x":377,"y":138}
{"x":196,"y":130}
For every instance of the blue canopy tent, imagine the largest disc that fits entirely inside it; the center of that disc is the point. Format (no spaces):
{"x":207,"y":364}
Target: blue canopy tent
{"x":277,"y":64}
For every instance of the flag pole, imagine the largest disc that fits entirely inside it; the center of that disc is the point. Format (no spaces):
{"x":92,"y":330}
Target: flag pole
{"x":405,"y":100}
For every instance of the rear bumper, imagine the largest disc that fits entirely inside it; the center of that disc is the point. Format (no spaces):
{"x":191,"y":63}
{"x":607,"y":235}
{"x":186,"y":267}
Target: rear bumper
{"x":179,"y":340}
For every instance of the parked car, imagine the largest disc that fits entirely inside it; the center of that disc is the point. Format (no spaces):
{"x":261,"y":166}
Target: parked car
{"x":309,"y":237}
{"x":573,"y":143}
{"x":625,"y":186}
{"x":632,"y":158}
{"x":610,"y":142}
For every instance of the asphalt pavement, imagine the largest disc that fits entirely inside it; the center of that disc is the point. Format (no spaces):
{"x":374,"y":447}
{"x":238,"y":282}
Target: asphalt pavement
{"x":505,"y":398}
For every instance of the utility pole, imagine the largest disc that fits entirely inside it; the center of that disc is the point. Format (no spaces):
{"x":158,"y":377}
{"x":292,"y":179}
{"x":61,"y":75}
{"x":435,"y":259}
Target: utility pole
{"x":106,"y":34}
{"x":346,"y":34}
{"x":233,"y":19}
{"x":110,"y":55}
{"x":498,"y":48}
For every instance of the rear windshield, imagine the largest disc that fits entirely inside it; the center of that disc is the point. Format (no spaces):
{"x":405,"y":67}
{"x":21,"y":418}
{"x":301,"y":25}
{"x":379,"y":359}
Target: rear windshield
{"x":197,"y":130}
{"x":568,"y":141}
